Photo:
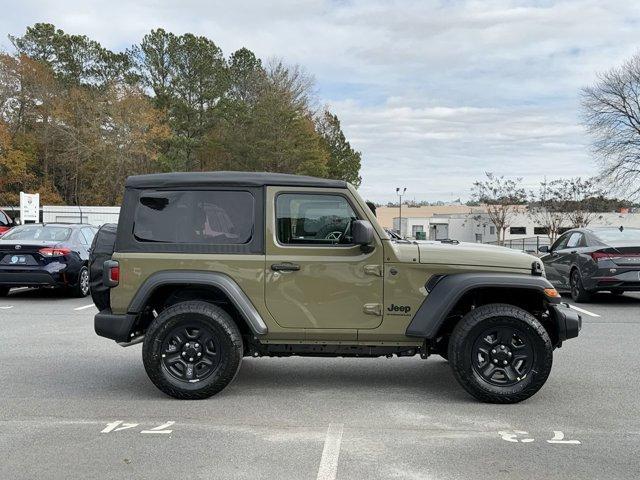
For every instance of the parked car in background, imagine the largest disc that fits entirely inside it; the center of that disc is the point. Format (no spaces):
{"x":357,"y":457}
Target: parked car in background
{"x":587,"y":260}
{"x":5,"y":223}
{"x":52,"y":255}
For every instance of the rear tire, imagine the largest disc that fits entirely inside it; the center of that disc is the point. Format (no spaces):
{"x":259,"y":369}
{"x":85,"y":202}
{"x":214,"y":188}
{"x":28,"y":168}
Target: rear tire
{"x":192,"y":350}
{"x":490,"y":372}
{"x":81,"y":289}
{"x":578,"y":292}
{"x":4,"y":291}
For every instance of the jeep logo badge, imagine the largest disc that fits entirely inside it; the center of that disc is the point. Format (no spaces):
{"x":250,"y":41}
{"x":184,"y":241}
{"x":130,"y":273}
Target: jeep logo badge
{"x":404,"y":309}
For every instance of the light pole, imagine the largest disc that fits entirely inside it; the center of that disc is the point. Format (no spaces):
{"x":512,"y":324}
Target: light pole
{"x":400,"y":194}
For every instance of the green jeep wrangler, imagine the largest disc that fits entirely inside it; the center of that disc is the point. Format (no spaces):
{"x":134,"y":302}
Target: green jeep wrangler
{"x":207,"y":268}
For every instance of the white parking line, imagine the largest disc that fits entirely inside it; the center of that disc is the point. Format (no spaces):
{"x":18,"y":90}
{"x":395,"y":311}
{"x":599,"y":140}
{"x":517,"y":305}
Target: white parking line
{"x":582,"y":310}
{"x":329,"y":461}
{"x":6,"y":307}
{"x":84,"y":307}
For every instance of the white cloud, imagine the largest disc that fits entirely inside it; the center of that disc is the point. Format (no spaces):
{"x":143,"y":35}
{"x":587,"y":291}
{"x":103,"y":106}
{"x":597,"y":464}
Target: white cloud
{"x":433,"y":92}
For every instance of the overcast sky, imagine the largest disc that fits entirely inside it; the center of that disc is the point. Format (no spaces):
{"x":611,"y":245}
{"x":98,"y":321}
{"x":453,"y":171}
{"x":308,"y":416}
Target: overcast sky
{"x":434,"y":93}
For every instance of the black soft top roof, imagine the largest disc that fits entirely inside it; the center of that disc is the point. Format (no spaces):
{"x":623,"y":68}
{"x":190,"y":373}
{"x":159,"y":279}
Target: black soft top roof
{"x":244,"y":179}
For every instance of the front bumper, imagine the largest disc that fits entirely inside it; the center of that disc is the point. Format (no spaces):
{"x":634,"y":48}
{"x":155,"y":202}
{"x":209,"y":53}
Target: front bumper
{"x":116,"y":327}
{"x":568,"y":323}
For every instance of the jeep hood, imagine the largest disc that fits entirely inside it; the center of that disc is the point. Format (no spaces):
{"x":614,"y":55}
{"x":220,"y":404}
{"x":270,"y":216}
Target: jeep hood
{"x":476,"y":254}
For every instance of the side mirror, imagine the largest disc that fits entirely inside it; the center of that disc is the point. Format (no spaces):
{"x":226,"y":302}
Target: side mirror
{"x":362,"y":234}
{"x":544,"y":249}
{"x":16,"y":221}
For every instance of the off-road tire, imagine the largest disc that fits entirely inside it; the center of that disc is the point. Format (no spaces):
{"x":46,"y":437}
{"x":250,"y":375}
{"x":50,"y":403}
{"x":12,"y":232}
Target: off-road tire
{"x":81,"y":288}
{"x":471,"y":328}
{"x":578,"y":292}
{"x":4,"y":291}
{"x":200,"y":314}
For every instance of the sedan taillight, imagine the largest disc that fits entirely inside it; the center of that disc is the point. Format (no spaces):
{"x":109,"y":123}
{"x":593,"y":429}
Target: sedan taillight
{"x":54,"y":252}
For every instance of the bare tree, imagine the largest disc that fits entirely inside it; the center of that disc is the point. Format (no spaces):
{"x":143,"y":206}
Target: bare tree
{"x":567,"y":202}
{"x":611,"y":111}
{"x":580,"y":200}
{"x":547,"y":207}
{"x":503,"y":198}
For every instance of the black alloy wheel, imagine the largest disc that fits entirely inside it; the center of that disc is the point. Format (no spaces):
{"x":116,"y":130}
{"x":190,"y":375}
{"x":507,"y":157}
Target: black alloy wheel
{"x":503,"y":355}
{"x":500,"y":353}
{"x":578,"y":292}
{"x":192,"y":350}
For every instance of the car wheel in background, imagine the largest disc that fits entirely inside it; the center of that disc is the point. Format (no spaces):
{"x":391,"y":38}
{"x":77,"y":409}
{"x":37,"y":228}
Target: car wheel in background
{"x":578,"y":292}
{"x":192,"y":350}
{"x":4,"y":291}
{"x":81,"y":289}
{"x":500,"y":353}
{"x":617,"y":292}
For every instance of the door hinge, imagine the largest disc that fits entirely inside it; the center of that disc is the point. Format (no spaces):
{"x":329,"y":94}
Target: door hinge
{"x":373,"y":270}
{"x":372,"y":309}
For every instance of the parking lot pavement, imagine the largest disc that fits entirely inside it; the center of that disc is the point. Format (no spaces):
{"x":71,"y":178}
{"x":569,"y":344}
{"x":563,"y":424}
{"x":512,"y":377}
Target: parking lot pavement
{"x":74,"y":405}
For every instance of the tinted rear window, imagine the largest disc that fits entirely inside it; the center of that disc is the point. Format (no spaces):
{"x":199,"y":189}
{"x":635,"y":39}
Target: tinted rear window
{"x":38,"y":232}
{"x":214,"y":217}
{"x":615,"y":235}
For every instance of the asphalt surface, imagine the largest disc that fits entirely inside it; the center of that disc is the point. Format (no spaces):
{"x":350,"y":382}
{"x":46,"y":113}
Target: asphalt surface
{"x":63,"y":388}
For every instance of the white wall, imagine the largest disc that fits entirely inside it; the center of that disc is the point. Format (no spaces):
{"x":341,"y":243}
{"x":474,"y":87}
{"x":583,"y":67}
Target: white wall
{"x":478,"y":228}
{"x":72,"y":214}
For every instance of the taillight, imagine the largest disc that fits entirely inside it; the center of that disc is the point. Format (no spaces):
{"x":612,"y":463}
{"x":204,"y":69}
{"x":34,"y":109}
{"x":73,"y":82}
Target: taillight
{"x":114,"y":274}
{"x":54,"y":252}
{"x":600,"y":256}
{"x":111,"y":273}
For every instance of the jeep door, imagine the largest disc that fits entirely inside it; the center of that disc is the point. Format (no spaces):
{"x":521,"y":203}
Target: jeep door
{"x":315,"y":277}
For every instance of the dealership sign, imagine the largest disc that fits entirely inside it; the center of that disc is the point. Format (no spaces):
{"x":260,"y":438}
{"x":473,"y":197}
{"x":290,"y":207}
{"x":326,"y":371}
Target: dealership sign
{"x":29,"y":207}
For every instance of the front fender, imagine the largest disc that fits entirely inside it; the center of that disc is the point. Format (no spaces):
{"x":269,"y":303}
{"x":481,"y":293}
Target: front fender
{"x":449,"y":289}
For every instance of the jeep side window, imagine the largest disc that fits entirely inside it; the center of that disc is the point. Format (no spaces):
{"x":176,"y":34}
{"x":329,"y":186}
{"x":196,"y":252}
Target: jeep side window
{"x":313,"y":219}
{"x":213,"y":217}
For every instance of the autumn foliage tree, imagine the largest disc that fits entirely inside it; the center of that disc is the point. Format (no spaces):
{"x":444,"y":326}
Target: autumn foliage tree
{"x":76,"y":118}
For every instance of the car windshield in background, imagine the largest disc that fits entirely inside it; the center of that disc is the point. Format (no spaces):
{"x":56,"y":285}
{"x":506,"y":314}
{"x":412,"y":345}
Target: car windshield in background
{"x":38,"y":232}
{"x":615,"y":235}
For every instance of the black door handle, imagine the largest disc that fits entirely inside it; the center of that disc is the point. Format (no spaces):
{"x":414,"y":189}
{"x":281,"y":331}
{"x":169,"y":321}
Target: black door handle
{"x":285,"y":267}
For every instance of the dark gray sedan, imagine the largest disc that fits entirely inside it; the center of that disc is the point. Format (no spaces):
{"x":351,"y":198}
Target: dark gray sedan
{"x":587,"y":260}
{"x":52,"y":254}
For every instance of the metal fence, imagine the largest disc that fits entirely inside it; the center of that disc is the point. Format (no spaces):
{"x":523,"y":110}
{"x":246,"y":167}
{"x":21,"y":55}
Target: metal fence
{"x":526,"y":244}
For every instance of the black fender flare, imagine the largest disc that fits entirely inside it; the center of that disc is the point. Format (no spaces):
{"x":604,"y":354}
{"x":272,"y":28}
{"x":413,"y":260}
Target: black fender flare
{"x":198,"y":278}
{"x":447,"y":290}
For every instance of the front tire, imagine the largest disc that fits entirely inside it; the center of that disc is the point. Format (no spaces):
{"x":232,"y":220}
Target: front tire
{"x":192,"y":350}
{"x":500,"y":353}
